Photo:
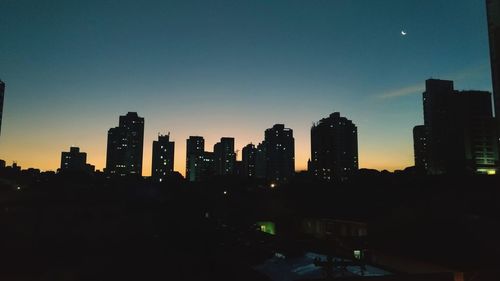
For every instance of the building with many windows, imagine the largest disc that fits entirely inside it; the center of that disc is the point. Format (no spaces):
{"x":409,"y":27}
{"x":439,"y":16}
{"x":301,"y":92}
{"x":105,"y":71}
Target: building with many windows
{"x":224,"y":157}
{"x":459,"y":129}
{"x":75,"y":161}
{"x":195,"y":150}
{"x":248,"y":159}
{"x":334,"y":148}
{"x":125,"y":147}
{"x":419,"y":148}
{"x":280,"y":154}
{"x":163,"y":158}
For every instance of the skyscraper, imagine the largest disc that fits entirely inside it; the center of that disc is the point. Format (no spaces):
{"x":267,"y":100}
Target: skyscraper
{"x":2,"y":91}
{"x":224,"y":156}
{"x":280,"y":154}
{"x":334,"y":148}
{"x":249,"y":154}
{"x":419,"y":148}
{"x":438,"y":114}
{"x":195,"y":150}
{"x":260,"y":161}
{"x":125,"y":147}
{"x":459,"y":128}
{"x":479,"y":132}
{"x":163,"y":158}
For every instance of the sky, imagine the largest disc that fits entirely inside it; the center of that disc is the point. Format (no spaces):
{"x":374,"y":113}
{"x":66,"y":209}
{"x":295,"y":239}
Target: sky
{"x":228,"y":69}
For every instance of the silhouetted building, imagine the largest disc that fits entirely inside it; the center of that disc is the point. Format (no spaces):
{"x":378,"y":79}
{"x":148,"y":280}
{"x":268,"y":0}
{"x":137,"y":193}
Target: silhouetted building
{"x":334,"y":148}
{"x":260,"y":161}
{"x":280,"y":154}
{"x":478,"y":129}
{"x":195,"y":149}
{"x":238,"y":168}
{"x":125,"y":147}
{"x":438,"y":107}
{"x":208,"y":166}
{"x":493,"y":15}
{"x":75,"y":161}
{"x":224,"y":157}
{"x":248,"y":159}
{"x":163,"y":158}
{"x":2,"y":91}
{"x":419,"y":148}
{"x":2,"y":164}
{"x":460,"y":130}
{"x":15,"y":167}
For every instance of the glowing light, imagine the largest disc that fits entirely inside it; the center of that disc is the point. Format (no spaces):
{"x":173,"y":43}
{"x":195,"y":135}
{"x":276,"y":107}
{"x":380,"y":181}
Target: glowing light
{"x":357,"y":254}
{"x":268,"y":227}
{"x":18,"y":188}
{"x":486,"y":171}
{"x":403,"y":33}
{"x":273,"y":185}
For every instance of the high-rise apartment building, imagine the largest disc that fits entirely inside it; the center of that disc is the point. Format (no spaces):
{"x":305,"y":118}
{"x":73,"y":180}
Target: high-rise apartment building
{"x":225,"y":157}
{"x":334,"y":148}
{"x":280,"y":154}
{"x":248,"y":159}
{"x":459,"y":130}
{"x":420,"y":148}
{"x":163,"y":158}
{"x":195,"y":150}
{"x":125,"y":147}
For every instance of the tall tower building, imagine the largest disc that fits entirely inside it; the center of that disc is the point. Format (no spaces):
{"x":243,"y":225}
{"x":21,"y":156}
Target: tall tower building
{"x":248,"y":158}
{"x":420,"y":148}
{"x":280,"y":154}
{"x":224,"y":157}
{"x":163,"y":158}
{"x":2,"y":92}
{"x":261,"y":161}
{"x":460,"y":131}
{"x":334,"y":148}
{"x":438,"y":114}
{"x":479,"y":132}
{"x":125,"y":147}
{"x":195,"y":150}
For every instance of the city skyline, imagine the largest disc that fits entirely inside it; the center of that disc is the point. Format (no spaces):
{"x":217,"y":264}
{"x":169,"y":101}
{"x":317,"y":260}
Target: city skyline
{"x":187,"y":93}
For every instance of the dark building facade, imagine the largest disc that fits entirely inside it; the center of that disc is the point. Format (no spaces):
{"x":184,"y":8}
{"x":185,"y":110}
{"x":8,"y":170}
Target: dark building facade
{"x":75,"y":161}
{"x":280,"y":154}
{"x":460,"y":130}
{"x":438,"y":114}
{"x":260,"y":161}
{"x":248,"y":159}
{"x":2,"y":92}
{"x":163,"y":158}
{"x":334,"y":148}
{"x":125,"y":147}
{"x":419,"y":148}
{"x":493,"y":15}
{"x":479,"y":132}
{"x":195,"y":150}
{"x":224,"y":157}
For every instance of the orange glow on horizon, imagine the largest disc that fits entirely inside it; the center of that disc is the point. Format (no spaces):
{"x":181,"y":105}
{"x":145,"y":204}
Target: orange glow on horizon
{"x":47,"y":155}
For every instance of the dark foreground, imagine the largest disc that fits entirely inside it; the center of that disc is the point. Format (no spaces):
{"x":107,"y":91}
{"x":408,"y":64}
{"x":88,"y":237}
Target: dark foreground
{"x":78,"y":228}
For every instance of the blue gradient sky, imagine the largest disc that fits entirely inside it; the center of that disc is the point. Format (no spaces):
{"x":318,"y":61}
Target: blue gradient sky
{"x":228,"y":68}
